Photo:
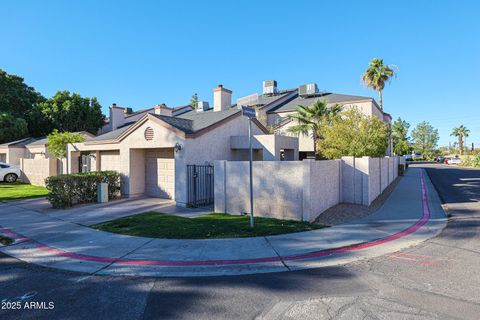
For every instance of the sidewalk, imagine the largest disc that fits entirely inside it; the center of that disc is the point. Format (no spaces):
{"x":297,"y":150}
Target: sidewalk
{"x":409,"y":216}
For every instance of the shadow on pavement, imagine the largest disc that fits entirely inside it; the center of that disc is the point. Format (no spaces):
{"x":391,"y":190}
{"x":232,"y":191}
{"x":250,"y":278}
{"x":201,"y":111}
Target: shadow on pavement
{"x":81,"y":296}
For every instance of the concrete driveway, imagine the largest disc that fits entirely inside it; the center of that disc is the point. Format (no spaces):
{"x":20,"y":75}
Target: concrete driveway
{"x":90,"y":214}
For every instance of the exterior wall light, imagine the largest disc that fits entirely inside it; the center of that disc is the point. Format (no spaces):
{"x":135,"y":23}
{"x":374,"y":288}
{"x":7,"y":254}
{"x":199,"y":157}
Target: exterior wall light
{"x":177,"y":147}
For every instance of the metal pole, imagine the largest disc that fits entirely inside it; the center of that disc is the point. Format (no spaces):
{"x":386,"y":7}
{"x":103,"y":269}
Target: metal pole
{"x":251,"y":169}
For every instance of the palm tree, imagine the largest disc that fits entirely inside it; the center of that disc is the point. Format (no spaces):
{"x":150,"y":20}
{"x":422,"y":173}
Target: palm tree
{"x":460,"y":132}
{"x":309,"y":119}
{"x":377,"y":75}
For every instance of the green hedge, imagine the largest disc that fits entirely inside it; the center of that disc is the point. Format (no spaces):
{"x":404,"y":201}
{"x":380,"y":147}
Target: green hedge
{"x":67,"y":190}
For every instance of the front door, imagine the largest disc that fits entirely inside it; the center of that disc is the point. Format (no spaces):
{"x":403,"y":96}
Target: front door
{"x":84,"y":163}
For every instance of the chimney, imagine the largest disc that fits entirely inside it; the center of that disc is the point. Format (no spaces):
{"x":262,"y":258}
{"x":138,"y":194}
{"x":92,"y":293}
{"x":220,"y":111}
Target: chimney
{"x":117,"y":116}
{"x":163,"y":110}
{"x":203,"y":106}
{"x":222,"y":98}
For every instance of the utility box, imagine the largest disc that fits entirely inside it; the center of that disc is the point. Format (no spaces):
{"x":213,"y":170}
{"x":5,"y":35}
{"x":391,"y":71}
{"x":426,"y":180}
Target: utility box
{"x":102,"y":192}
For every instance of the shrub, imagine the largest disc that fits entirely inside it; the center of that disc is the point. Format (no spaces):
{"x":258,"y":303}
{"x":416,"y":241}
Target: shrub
{"x":471,"y":161}
{"x":353,"y":134}
{"x":67,"y":190}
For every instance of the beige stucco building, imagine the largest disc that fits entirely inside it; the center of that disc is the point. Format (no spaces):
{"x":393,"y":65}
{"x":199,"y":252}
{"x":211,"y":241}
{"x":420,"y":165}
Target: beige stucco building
{"x":152,"y":153}
{"x":275,"y":106}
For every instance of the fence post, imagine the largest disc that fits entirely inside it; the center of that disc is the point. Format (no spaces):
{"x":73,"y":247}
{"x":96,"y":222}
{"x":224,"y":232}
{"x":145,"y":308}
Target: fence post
{"x":194,"y":176}
{"x":225,"y":186}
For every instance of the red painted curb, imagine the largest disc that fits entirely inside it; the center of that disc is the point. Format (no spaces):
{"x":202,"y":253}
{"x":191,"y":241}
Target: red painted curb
{"x":310,"y":255}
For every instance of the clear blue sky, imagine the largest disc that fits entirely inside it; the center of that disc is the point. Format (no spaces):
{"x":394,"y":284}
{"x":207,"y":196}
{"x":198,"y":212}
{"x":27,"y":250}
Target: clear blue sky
{"x":140,"y":53}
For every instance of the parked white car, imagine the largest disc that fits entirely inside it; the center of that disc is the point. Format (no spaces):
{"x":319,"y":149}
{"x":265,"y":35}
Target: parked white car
{"x":416,"y":156}
{"x":9,"y":173}
{"x":454,"y":161}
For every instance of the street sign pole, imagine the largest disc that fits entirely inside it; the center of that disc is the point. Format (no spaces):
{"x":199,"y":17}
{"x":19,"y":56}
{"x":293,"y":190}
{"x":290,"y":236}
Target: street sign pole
{"x":250,"y":113}
{"x":251,"y":169}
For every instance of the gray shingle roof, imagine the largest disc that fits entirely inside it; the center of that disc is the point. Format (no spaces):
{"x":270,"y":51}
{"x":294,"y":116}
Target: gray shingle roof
{"x":40,"y":141}
{"x":20,"y":142}
{"x":112,"y":135}
{"x":266,"y":99}
{"x":193,"y":121}
{"x":330,"y":97}
{"x":44,"y":140}
{"x":138,"y":112}
{"x":184,"y":125}
{"x":189,"y":122}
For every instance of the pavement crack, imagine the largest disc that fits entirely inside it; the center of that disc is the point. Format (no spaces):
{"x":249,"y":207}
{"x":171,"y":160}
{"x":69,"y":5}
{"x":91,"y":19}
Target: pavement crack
{"x":121,"y":257}
{"x":278,"y":255}
{"x":455,"y":247}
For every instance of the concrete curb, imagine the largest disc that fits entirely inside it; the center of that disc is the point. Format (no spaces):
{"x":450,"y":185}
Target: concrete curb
{"x":237,"y":256}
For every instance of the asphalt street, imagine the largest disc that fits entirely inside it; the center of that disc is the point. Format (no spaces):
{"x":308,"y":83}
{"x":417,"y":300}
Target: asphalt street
{"x":437,"y":279}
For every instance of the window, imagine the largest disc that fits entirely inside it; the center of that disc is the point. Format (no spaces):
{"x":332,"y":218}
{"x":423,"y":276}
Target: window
{"x":4,"y":166}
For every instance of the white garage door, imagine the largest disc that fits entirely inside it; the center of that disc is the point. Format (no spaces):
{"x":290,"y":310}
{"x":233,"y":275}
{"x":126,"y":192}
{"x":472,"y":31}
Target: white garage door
{"x":110,"y":160}
{"x":160,"y":173}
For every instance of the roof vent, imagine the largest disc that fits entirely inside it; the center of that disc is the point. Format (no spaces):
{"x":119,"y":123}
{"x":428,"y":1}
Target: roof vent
{"x":148,"y":134}
{"x":269,"y":87}
{"x":309,"y":89}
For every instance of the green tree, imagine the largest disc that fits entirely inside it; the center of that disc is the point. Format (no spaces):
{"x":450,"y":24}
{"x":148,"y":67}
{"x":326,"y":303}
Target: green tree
{"x":460,"y":132}
{"x":425,"y":138}
{"x":309,"y":119}
{"x":194,"y":100}
{"x":400,"y":137}
{"x":377,"y":75}
{"x":57,"y":142}
{"x":16,"y":97}
{"x":354,"y":134}
{"x":67,"y":112}
{"x":12,"y":128}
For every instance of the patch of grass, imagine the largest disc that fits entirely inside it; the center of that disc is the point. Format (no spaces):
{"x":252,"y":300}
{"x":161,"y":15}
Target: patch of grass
{"x":20,"y":191}
{"x":214,"y":225}
{"x":5,"y":241}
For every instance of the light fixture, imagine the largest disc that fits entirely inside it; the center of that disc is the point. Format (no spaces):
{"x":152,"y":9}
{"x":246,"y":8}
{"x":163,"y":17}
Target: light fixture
{"x":177,"y":147}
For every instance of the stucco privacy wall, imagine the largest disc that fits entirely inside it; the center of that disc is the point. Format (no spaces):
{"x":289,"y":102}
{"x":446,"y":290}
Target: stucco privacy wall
{"x":35,"y":171}
{"x":301,"y":190}
{"x":322,"y":187}
{"x":364,"y":179}
{"x":277,"y":188}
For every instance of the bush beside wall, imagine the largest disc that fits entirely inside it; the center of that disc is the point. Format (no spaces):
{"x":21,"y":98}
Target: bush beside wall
{"x":67,"y":190}
{"x":471,"y":161}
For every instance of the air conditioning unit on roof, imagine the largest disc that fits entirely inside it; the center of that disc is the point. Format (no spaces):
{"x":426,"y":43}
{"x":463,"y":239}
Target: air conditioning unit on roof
{"x":308,"y":89}
{"x":269,"y":87}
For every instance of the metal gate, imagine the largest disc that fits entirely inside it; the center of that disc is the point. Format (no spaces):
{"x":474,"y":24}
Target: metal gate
{"x":199,"y":185}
